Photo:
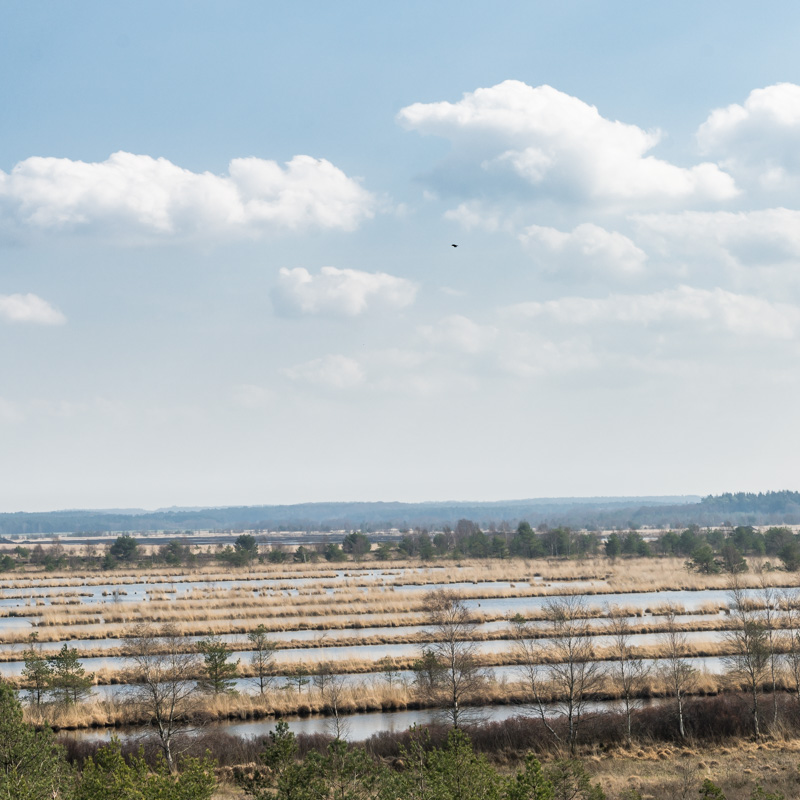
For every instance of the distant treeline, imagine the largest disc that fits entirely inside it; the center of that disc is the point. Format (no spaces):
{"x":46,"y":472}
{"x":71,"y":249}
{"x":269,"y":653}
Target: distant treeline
{"x":709,"y":550}
{"x":593,"y":513}
{"x":350,"y":516}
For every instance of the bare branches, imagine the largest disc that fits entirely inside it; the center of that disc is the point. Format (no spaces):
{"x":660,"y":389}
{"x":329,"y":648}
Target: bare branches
{"x":163,"y":679}
{"x":790,"y":605}
{"x":628,"y":670}
{"x":331,"y":686}
{"x":749,"y":640}
{"x":572,"y":674}
{"x":455,"y":676}
{"x":678,"y":673}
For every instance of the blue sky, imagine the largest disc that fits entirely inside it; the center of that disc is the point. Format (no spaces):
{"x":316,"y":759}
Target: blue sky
{"x":225,"y":263}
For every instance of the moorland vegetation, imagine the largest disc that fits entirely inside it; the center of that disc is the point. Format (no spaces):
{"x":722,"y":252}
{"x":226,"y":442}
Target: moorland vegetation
{"x":568,"y":652}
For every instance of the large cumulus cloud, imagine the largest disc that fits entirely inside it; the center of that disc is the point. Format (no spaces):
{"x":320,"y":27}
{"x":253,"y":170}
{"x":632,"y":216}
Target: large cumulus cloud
{"x":138,"y":194}
{"x":757,"y":140}
{"x":562,"y":147}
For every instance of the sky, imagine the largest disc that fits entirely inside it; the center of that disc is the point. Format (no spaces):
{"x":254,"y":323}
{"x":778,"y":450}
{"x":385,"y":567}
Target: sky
{"x":226,"y":264}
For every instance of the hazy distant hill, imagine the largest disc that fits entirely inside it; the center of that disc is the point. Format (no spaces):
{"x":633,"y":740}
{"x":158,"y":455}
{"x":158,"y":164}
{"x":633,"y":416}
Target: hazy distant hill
{"x":601,"y":512}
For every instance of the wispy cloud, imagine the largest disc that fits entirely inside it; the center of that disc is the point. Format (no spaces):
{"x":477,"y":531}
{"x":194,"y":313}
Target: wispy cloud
{"x":29,"y":308}
{"x":332,"y":372}
{"x":248,"y":395}
{"x":587,"y":249}
{"x":715,"y":309}
{"x":339,"y":292}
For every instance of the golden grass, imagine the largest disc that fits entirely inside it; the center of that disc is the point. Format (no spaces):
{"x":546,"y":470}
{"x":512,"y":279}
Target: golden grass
{"x":647,"y":574}
{"x":208,"y":610}
{"x":372,"y":693}
{"x":664,"y":772}
{"x":426,"y":636}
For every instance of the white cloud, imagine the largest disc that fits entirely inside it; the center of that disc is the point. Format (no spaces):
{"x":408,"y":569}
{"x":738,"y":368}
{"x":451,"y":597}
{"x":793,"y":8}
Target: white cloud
{"x":333,"y":371}
{"x":529,"y":357}
{"x":339,"y":292}
{"x":29,"y":308}
{"x":10,"y":412}
{"x":136,"y":194}
{"x":751,"y":238}
{"x":504,"y":347}
{"x":461,"y":334}
{"x":715,"y":309}
{"x":585,"y":250}
{"x":476,"y":215}
{"x":250,"y":396}
{"x":395,"y":359}
{"x":757,"y":140}
{"x":562,"y":146}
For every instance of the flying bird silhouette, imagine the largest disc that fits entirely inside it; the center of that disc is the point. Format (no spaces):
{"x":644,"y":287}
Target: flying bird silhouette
{"x":453,"y":245}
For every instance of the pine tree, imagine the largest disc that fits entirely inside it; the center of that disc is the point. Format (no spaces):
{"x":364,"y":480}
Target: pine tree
{"x":32,"y":765}
{"x":109,"y":775}
{"x":220,"y":674}
{"x":69,"y":679}
{"x":37,"y":672}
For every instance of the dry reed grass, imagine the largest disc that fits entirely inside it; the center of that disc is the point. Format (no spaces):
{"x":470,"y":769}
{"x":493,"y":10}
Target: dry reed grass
{"x":667,"y":772}
{"x":416,"y":637}
{"x":647,"y":573}
{"x":372,"y":693}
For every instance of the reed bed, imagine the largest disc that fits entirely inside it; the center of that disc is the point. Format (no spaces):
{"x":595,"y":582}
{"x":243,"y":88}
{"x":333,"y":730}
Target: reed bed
{"x":311,"y":602}
{"x":636,"y":574}
{"x":51,"y":630}
{"x":415,"y":637}
{"x":368,"y":695}
{"x":355,"y":666}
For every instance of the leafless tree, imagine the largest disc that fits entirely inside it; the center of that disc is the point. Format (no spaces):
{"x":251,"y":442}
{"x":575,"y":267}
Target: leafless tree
{"x":262,"y":656}
{"x":771,"y":614}
{"x":676,"y":670}
{"x":162,"y":679}
{"x":790,"y":606}
{"x":748,"y":640}
{"x":459,"y":678}
{"x":331,"y":686}
{"x":558,"y":664}
{"x":628,"y":670}
{"x":391,"y":673}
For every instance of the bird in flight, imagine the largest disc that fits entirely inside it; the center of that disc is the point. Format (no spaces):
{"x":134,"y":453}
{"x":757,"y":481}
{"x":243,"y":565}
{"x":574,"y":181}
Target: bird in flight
{"x":453,"y":245}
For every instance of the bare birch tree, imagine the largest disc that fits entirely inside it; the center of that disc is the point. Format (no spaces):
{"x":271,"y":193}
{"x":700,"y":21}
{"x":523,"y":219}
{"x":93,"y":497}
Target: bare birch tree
{"x":459,"y":678}
{"x":790,"y":605}
{"x":771,"y":614}
{"x":628,"y":670}
{"x":162,"y":678}
{"x":790,"y":637}
{"x":749,"y":660}
{"x":678,"y":673}
{"x":561,"y":666}
{"x":331,"y":686}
